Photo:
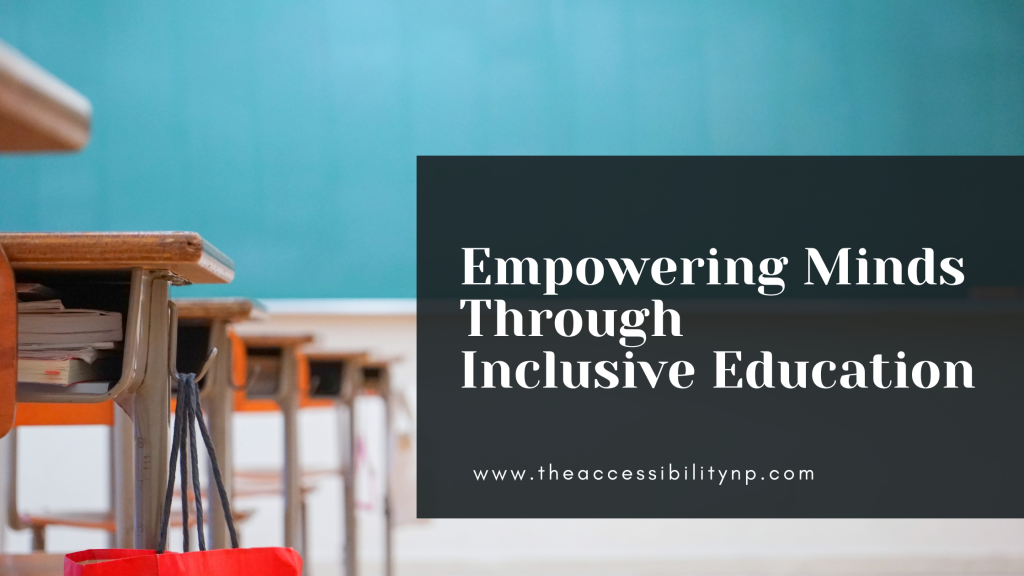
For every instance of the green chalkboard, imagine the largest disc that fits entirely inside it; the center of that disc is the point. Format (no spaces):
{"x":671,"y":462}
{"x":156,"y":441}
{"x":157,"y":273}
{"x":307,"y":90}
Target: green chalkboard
{"x":286,"y":132}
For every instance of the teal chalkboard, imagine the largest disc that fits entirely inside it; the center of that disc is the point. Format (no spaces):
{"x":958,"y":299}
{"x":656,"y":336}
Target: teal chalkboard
{"x":286,"y":132}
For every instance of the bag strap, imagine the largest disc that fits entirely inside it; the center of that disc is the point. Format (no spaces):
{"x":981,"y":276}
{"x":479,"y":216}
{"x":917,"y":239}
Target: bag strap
{"x":189,"y":412}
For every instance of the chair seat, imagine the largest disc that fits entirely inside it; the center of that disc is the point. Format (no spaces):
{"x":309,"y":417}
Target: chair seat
{"x":253,"y":483}
{"x":239,"y":516}
{"x":32,"y":564}
{"x":105,"y":520}
{"x":93,"y":520}
{"x":312,"y":474}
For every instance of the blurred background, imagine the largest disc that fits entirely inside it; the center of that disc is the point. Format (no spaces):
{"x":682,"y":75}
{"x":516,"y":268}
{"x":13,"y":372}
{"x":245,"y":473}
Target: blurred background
{"x":286,"y":133}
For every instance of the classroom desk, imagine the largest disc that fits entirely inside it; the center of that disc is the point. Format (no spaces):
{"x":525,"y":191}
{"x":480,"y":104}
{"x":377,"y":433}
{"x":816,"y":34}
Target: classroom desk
{"x":325,"y":379}
{"x":335,"y":379}
{"x":338,"y":377}
{"x":272,"y":384}
{"x":204,"y":324}
{"x":38,"y":112}
{"x":376,"y":380}
{"x":131,"y":273}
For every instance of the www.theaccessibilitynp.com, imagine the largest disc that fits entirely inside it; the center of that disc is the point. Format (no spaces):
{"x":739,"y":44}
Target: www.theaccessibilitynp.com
{"x":670,"y":473}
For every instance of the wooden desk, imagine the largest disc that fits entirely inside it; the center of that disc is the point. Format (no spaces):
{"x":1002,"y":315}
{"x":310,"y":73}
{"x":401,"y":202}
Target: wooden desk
{"x":224,"y":309}
{"x":207,"y":323}
{"x":131,"y":272}
{"x":376,"y":380}
{"x":349,"y":366}
{"x":210,"y":317}
{"x":254,"y":339}
{"x":38,"y":112}
{"x":262,"y":349}
{"x":354,"y":374}
{"x":186,"y":255}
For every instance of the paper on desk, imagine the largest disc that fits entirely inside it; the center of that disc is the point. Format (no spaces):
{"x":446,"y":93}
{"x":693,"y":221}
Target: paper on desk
{"x":35,"y":291}
{"x":39,"y":306}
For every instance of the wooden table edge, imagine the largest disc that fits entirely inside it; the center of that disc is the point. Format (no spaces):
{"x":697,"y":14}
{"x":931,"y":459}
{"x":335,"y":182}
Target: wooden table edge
{"x":186,"y":254}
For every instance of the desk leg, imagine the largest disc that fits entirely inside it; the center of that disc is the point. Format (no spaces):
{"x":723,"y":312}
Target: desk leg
{"x":123,"y":458}
{"x":347,"y":438}
{"x":219,"y":407}
{"x":388,"y":454}
{"x":8,"y":474}
{"x":151,"y":410}
{"x":292,"y":470}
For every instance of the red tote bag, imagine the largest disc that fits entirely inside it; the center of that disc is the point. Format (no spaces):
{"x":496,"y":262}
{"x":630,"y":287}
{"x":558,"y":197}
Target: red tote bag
{"x":233,"y":561}
{"x":228,"y":562}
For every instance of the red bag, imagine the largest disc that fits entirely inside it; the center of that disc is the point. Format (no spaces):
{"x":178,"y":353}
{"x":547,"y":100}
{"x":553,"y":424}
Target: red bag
{"x":228,"y":562}
{"x":234,"y":561}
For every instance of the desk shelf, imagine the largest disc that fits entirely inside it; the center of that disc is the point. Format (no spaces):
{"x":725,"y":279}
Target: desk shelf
{"x":265,"y":360}
{"x":122,"y":292}
{"x":203,"y":325}
{"x":334,"y":376}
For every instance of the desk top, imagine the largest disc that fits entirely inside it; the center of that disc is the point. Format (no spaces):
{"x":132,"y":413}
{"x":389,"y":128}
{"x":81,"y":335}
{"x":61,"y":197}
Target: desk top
{"x":327,"y":355}
{"x":183,"y":253}
{"x":229,"y":309}
{"x":278,"y":340}
{"x":38,"y":112}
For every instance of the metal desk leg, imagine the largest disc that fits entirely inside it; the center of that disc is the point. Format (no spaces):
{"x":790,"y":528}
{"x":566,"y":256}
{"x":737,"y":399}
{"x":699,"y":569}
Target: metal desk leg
{"x":219,"y":408}
{"x":388,"y":454}
{"x":112,"y":489}
{"x":289,"y":402}
{"x":8,"y":485}
{"x":347,"y":438}
{"x":305,"y":538}
{"x":123,"y":458}
{"x":151,"y":409}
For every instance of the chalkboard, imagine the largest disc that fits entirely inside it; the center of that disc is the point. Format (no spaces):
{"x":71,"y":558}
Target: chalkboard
{"x":287,"y":132}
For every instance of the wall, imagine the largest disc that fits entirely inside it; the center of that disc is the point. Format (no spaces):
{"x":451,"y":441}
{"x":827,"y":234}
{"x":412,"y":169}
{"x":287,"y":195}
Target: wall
{"x":286,"y":132}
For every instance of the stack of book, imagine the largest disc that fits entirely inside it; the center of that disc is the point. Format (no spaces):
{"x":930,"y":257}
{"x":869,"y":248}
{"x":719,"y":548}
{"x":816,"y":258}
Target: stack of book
{"x":62,"y":346}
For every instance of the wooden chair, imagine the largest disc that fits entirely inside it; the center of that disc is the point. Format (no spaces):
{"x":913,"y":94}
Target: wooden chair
{"x":29,"y":414}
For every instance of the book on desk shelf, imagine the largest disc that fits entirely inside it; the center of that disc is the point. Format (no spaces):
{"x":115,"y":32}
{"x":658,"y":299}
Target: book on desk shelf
{"x":48,"y":322}
{"x":62,"y":346}
{"x":68,"y":371}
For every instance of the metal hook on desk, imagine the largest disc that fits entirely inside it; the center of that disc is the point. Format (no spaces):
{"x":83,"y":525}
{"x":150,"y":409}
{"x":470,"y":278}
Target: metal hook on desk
{"x":172,"y":357}
{"x":207,"y":364}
